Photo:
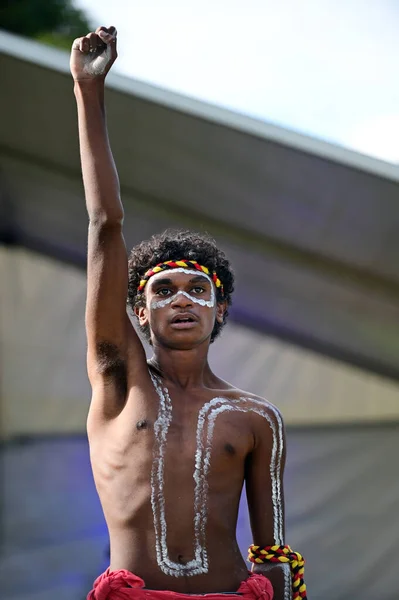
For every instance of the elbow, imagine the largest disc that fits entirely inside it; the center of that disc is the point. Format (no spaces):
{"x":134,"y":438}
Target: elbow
{"x":103,"y":220}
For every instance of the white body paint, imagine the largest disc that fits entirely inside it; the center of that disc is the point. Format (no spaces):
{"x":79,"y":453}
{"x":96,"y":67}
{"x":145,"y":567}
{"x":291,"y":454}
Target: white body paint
{"x":162,"y":303}
{"x":286,"y":568}
{"x":205,"y":429}
{"x":98,"y":65}
{"x":287,"y":581}
{"x":161,"y":427}
{"x":198,"y":565}
{"x":206,"y":420}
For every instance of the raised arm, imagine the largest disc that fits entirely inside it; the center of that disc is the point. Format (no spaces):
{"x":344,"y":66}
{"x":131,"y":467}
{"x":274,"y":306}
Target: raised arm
{"x":265,"y":496}
{"x":111,"y":337}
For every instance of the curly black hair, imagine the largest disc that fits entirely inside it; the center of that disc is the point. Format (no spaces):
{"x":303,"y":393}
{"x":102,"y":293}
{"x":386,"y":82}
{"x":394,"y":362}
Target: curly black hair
{"x":175,"y":244}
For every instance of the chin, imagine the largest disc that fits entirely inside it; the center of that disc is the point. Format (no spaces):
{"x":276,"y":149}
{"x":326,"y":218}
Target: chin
{"x":182,"y":340}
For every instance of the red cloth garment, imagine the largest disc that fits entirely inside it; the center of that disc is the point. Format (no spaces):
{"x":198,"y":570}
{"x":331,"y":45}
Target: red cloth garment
{"x":124,"y":585}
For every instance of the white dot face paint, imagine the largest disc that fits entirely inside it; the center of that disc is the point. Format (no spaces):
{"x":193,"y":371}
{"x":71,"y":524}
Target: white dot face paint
{"x":162,"y":303}
{"x":205,"y":429}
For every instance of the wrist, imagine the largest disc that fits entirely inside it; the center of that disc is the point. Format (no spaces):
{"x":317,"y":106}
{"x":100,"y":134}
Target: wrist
{"x":89,"y":86}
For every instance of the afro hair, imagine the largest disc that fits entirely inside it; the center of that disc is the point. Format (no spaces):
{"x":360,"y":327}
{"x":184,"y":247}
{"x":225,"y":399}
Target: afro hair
{"x":175,"y":244}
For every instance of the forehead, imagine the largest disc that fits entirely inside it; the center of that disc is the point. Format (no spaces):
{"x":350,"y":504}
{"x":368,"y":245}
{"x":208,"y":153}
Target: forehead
{"x":179,"y":275}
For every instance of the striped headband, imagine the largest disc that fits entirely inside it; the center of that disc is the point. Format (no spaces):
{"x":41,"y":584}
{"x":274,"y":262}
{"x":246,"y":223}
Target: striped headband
{"x":185,"y":264}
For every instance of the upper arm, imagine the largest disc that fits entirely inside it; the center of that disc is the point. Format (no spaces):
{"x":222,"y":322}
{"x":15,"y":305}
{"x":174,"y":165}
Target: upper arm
{"x":111,"y":337}
{"x":264,"y":480}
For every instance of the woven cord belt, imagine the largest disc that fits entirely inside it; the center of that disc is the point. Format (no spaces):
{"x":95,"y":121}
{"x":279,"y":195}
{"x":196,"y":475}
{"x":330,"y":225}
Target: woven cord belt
{"x":282,"y":554}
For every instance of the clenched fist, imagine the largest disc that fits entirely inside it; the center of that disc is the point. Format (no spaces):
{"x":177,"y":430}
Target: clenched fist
{"x":93,"y":55}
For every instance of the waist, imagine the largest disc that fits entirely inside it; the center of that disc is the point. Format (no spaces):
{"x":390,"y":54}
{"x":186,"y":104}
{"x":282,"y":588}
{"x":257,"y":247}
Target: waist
{"x":220,"y":575}
{"x":253,"y":587}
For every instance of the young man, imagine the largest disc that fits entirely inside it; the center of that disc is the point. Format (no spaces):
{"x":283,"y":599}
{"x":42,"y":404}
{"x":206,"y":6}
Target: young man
{"x":171,"y":444}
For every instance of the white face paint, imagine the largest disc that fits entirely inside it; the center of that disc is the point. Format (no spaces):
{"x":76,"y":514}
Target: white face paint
{"x":162,"y":303}
{"x":204,"y":436}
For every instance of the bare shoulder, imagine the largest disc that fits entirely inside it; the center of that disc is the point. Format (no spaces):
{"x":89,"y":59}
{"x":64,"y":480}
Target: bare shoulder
{"x":266,"y":423}
{"x":252,"y":401}
{"x":262,"y":403}
{"x":264,"y":417}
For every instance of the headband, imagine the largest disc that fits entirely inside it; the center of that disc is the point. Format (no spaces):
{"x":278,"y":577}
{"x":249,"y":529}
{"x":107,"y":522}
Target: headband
{"x":173,"y":264}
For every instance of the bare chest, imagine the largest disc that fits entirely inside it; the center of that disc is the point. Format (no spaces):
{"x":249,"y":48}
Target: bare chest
{"x":190,"y":426}
{"x":173,"y":466}
{"x":181,"y":429}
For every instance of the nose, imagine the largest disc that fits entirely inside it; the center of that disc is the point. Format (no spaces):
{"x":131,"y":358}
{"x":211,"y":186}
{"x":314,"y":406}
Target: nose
{"x":182,"y":300}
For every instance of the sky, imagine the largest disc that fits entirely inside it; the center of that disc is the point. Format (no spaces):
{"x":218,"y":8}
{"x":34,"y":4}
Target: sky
{"x":326,"y":68}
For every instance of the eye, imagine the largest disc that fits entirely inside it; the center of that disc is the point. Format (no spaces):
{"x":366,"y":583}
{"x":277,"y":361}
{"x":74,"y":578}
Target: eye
{"x":163,"y":292}
{"x":198,"y":290}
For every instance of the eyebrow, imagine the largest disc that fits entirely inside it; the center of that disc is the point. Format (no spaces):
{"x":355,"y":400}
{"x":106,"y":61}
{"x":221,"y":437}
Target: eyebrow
{"x":167,"y":281}
{"x":199,"y":278}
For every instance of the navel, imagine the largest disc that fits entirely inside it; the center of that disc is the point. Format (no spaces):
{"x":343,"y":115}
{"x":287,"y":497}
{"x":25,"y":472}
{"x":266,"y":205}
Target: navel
{"x":142,"y":424}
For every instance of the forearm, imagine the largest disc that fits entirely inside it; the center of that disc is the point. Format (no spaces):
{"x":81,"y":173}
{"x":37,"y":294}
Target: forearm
{"x":279,"y":576}
{"x":100,"y":177}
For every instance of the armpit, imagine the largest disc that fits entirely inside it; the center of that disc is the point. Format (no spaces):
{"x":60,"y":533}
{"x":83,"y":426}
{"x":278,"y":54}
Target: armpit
{"x":112,"y":366}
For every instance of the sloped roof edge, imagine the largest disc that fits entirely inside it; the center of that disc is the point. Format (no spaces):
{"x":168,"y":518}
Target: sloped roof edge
{"x":52,"y":58}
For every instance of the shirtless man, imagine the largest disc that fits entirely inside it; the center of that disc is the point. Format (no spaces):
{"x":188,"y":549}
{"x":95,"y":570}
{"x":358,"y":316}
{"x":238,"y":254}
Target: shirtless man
{"x":171,"y":444}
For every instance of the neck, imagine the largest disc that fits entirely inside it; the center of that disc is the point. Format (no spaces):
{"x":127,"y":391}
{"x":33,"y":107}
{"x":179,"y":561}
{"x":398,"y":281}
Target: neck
{"x":184,"y":368}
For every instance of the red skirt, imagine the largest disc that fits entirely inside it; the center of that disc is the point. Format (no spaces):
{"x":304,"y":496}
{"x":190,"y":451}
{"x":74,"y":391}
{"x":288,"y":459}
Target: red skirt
{"x":124,"y":585}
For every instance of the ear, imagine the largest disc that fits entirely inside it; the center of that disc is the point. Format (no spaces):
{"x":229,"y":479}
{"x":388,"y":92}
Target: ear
{"x":220,"y":310}
{"x":141,"y":314}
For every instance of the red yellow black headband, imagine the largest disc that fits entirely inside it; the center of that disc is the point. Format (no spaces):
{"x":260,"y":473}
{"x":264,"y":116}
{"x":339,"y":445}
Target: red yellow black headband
{"x":175,"y":264}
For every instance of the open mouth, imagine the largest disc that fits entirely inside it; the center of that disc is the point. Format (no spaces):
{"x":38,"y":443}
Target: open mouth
{"x":183,"y":321}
